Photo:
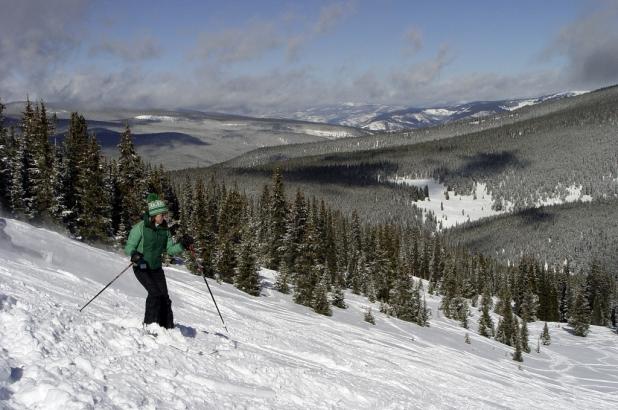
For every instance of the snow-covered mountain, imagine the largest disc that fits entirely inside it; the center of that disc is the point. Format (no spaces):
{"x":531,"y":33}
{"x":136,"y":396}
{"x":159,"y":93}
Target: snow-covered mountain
{"x":277,"y":355}
{"x":395,"y":118}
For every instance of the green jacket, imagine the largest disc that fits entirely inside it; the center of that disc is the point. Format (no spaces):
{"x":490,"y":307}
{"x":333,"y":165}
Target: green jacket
{"x":151,"y":241}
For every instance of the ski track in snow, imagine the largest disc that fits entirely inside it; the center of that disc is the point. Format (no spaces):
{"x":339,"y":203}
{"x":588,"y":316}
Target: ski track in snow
{"x":279,"y":354}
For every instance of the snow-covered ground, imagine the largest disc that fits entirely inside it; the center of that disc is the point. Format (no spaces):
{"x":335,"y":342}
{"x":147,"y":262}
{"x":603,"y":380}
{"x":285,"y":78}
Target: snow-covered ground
{"x":459,"y":209}
{"x":279,"y":355}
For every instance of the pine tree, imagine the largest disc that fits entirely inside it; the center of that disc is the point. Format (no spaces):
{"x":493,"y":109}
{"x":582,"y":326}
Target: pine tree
{"x":263,"y":236}
{"x":131,"y":180}
{"x":369,"y":317}
{"x":320,"y":302}
{"x":296,"y":229}
{"x":90,"y":224}
{"x":580,"y":315}
{"x":507,"y":327}
{"x":247,"y":277}
{"x":7,"y":152}
{"x":565,"y":294}
{"x":354,"y":276}
{"x":75,"y":151}
{"x":545,"y":337}
{"x":17,"y":165}
{"x":486,"y":324}
{"x":524,"y":337}
{"x":226,"y":262}
{"x":467,"y":338}
{"x":517,"y":355}
{"x":338,"y":297}
{"x":42,"y":162}
{"x":283,"y":277}
{"x":277,"y":221}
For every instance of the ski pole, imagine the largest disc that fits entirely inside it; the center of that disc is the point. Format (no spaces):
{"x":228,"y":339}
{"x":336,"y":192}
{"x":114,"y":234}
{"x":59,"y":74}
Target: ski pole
{"x":207,"y":285}
{"x":106,"y":286}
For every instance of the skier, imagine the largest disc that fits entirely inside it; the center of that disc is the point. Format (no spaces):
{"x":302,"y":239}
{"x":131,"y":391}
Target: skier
{"x":147,"y":241}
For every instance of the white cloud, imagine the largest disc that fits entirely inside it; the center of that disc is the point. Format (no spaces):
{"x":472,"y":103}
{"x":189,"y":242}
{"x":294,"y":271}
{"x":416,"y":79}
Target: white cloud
{"x":138,"y":49}
{"x":238,"y":44}
{"x":590,"y":46}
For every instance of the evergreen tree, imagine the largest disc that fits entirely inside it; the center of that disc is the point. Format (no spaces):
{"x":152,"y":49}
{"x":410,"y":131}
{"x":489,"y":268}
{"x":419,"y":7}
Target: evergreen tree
{"x":296,"y":230}
{"x":580,"y":315}
{"x":75,"y":153}
{"x":7,"y":152}
{"x":283,"y":277}
{"x":524,"y":337}
{"x":486,"y":324}
{"x":545,"y":337}
{"x":599,"y":286}
{"x":517,"y":355}
{"x":131,"y":180}
{"x":226,"y":265}
{"x":41,"y":129}
{"x":338,"y":297}
{"x":91,"y":223}
{"x":247,"y":277}
{"x":320,"y":302}
{"x":565,"y":294}
{"x":369,"y":317}
{"x":278,"y":219}
{"x":263,"y":235}
{"x":507,"y":327}
{"x":355,"y":263}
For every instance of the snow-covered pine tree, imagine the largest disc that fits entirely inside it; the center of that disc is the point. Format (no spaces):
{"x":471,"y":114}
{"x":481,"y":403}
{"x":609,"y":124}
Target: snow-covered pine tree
{"x":369,"y":316}
{"x":319,"y":298}
{"x":486,"y":324}
{"x":354,"y":276}
{"x":545,"y":337}
{"x":507,"y":327}
{"x":131,"y":180}
{"x":263,"y":215}
{"x":277,"y":221}
{"x":565,"y":293}
{"x":517,"y":342}
{"x":523,"y":338}
{"x":295,"y":233}
{"x":41,"y":129}
{"x":580,"y":314}
{"x":306,"y":275}
{"x":7,"y":151}
{"x":91,"y":223}
{"x":599,"y":285}
{"x":449,"y":288}
{"x":247,"y":277}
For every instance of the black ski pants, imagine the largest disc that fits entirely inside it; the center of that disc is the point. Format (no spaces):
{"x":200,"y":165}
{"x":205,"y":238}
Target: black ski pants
{"x":158,"y":303}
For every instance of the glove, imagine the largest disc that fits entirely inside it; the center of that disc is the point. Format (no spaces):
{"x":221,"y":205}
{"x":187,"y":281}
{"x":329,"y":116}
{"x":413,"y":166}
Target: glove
{"x":136,"y":257}
{"x":138,"y":260}
{"x":186,"y":241}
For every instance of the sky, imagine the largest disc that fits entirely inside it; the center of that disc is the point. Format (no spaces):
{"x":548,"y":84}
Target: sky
{"x":256,"y":57}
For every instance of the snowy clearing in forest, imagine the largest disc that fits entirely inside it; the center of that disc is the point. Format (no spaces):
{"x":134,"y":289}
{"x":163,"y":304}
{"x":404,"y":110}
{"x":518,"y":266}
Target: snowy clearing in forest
{"x":459,"y":209}
{"x":279,"y":354}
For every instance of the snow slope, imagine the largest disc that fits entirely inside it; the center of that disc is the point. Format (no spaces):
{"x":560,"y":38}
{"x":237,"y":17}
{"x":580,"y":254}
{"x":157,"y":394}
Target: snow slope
{"x":279,"y":355}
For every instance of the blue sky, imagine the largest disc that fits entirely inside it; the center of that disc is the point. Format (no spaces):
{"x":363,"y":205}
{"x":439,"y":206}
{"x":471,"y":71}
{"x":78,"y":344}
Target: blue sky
{"x":268,"y":56}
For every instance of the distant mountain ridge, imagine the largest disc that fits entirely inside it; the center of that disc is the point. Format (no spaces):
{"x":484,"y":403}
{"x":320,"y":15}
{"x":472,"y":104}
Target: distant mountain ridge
{"x":376,"y":117}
